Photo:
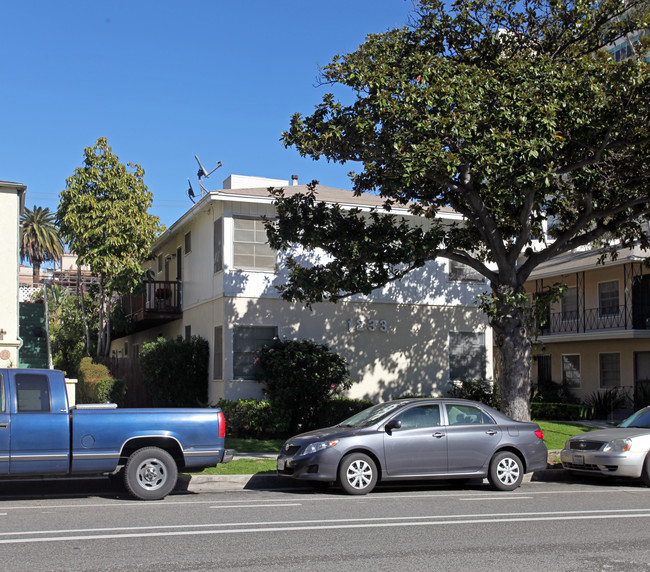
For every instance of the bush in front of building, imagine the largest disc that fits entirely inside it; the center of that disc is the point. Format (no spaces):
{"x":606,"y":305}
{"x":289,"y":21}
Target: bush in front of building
{"x":560,"y":411}
{"x":176,"y":371}
{"x":252,"y":418}
{"x":97,"y":385}
{"x":481,"y":390}
{"x":300,"y":376}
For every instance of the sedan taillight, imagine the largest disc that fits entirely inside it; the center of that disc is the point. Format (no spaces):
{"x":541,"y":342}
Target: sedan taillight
{"x":539,"y":433}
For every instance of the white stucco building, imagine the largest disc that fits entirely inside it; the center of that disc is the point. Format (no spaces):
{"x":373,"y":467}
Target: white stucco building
{"x":12,"y":203}
{"x":215,"y":276}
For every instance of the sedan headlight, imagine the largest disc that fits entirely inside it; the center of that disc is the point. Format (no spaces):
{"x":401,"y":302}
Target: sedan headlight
{"x":618,"y":446}
{"x":315,"y":447}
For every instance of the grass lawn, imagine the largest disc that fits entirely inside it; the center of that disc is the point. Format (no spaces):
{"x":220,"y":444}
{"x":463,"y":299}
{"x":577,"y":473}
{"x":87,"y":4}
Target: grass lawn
{"x":556,"y":434}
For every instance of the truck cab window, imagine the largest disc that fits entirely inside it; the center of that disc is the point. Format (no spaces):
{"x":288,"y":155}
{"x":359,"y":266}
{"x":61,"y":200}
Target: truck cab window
{"x":33,"y":392}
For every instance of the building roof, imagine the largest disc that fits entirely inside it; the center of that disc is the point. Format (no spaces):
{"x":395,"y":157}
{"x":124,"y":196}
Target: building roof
{"x":579,"y":261}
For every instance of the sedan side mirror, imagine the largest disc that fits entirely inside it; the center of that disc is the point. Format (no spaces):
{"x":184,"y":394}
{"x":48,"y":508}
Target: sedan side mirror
{"x":392,"y":424}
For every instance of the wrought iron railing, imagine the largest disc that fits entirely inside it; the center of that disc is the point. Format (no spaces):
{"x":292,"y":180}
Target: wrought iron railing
{"x":155,"y":298}
{"x":598,"y":319}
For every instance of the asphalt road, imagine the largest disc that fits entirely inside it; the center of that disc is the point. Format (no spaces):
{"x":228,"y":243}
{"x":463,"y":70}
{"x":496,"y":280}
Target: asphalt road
{"x":89,"y":525}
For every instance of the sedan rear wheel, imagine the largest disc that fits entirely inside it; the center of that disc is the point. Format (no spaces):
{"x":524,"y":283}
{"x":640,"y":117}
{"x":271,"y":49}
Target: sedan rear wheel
{"x":357,"y":474}
{"x":506,"y":471}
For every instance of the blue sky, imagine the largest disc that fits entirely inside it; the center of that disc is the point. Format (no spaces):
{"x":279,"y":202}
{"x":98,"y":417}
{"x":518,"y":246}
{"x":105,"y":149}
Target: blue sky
{"x":166,"y":80}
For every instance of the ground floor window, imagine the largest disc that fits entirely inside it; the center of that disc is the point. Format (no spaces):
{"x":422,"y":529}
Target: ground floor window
{"x":544,"y":372}
{"x":217,"y":362}
{"x":571,"y":370}
{"x":247,"y":341}
{"x":641,"y":366}
{"x":610,"y":370}
{"x":466,"y":355}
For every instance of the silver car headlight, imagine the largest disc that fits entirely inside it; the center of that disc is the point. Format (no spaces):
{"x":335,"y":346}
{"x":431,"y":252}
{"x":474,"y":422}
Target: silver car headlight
{"x":618,"y":446}
{"x":315,"y":447}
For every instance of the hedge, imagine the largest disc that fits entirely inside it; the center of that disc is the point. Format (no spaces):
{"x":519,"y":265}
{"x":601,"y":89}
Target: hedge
{"x":97,"y":385}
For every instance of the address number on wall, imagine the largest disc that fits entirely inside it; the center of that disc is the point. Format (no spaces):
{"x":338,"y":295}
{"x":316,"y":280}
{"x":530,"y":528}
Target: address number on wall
{"x":365,"y":325}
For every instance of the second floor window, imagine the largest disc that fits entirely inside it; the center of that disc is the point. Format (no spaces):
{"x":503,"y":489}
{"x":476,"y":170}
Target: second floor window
{"x":463,"y":273}
{"x":608,"y":298}
{"x":570,"y":304}
{"x":251,"y":249}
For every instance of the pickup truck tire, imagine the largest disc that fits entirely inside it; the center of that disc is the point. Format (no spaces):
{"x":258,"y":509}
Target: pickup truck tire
{"x":150,"y":473}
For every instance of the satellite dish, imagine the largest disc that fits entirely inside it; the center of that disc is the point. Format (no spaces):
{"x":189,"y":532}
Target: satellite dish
{"x":190,"y":191}
{"x":202,"y":170}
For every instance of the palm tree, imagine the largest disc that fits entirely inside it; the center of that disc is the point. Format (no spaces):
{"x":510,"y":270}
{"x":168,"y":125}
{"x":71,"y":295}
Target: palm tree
{"x":40,"y":239}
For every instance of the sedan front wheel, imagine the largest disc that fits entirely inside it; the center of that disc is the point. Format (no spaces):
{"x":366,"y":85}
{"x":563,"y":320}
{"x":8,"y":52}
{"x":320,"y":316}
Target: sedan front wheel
{"x":506,"y":471}
{"x":357,"y":474}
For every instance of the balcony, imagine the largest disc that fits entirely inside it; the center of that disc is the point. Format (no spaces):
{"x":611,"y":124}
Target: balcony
{"x":590,"y":320}
{"x":159,"y":301}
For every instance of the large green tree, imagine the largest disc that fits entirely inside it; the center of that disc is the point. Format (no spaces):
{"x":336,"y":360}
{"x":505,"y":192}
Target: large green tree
{"x":510,"y":112}
{"x":40,"y":239}
{"x":103,"y":213}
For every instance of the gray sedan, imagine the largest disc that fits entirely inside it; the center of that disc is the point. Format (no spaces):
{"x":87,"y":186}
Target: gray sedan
{"x":621,"y":451}
{"x":417,"y":439}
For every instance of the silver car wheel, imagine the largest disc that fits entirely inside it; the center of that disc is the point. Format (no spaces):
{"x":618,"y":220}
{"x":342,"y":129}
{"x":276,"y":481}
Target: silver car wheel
{"x":357,"y":474}
{"x":506,"y":471}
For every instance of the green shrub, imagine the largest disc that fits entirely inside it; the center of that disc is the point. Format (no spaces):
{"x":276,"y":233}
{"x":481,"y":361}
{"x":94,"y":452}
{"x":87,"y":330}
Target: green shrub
{"x":300,"y":376}
{"x":559,"y":411}
{"x":603,"y":403}
{"x":480,"y":390}
{"x":252,"y":418}
{"x":339,"y":409}
{"x":97,"y":385}
{"x":176,"y":371}
{"x":551,"y":392}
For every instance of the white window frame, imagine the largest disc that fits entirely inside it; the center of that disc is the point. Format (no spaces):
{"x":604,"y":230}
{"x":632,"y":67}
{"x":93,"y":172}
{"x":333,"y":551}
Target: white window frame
{"x":259,"y":246}
{"x":601,"y":307}
{"x":243,"y":357}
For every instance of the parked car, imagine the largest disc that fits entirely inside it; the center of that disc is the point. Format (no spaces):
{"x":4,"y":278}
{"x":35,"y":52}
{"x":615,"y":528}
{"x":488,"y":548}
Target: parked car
{"x":617,"y":452}
{"x":417,"y":439}
{"x":42,"y":436}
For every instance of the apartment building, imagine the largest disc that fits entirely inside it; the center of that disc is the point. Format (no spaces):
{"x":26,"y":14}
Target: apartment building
{"x":215,"y":276}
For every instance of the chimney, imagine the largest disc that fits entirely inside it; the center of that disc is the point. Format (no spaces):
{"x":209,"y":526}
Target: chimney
{"x":294,"y":180}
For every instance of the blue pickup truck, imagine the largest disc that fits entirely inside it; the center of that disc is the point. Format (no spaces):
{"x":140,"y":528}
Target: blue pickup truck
{"x":41,"y":436}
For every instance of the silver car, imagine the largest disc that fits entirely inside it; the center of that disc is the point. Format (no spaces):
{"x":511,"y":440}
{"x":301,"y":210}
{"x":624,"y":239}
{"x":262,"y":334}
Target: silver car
{"x":417,"y":439}
{"x":618,"y":452}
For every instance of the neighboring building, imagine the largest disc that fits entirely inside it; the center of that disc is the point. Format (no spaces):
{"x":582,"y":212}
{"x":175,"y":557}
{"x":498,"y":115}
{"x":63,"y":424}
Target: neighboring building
{"x":12,"y":203}
{"x":598,"y":335}
{"x":215,"y":276}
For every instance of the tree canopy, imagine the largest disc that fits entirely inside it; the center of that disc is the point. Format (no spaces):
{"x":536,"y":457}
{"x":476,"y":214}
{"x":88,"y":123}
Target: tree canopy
{"x":103,"y":213}
{"x":511,"y":112}
{"x":40,"y":238}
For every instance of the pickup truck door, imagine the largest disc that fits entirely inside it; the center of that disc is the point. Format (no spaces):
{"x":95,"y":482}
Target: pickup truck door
{"x":40,"y":425}
{"x":4,"y":427}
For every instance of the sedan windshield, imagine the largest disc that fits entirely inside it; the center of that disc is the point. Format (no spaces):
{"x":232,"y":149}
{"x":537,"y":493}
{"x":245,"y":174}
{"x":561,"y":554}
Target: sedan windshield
{"x":371,"y":415}
{"x":640,"y":419}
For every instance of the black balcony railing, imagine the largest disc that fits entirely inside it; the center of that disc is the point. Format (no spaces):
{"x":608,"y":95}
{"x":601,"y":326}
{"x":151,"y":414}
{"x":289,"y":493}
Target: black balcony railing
{"x":159,"y":300}
{"x":598,"y":319}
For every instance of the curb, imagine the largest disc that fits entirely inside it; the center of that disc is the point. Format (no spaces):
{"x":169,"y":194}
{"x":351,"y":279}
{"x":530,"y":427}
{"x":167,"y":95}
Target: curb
{"x":269,"y":482}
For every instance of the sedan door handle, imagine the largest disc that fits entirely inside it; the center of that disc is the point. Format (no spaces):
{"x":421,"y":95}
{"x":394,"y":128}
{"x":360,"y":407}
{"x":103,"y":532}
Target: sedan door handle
{"x":438,"y":435}
{"x":491,"y":432}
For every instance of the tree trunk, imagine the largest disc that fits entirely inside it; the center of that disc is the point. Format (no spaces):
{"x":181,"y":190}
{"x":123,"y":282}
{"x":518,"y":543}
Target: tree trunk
{"x":36,"y":272}
{"x":514,"y":350}
{"x":514,"y":354}
{"x":80,"y":297}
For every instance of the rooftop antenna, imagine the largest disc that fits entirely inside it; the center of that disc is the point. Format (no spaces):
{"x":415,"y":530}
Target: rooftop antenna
{"x":202,"y":173}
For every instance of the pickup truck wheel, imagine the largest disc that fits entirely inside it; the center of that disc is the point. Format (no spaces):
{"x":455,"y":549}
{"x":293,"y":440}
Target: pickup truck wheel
{"x":150,"y":473}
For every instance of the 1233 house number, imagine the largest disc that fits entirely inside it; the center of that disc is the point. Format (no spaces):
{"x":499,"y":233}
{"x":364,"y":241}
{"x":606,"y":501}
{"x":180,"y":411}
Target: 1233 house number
{"x":364,"y":325}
